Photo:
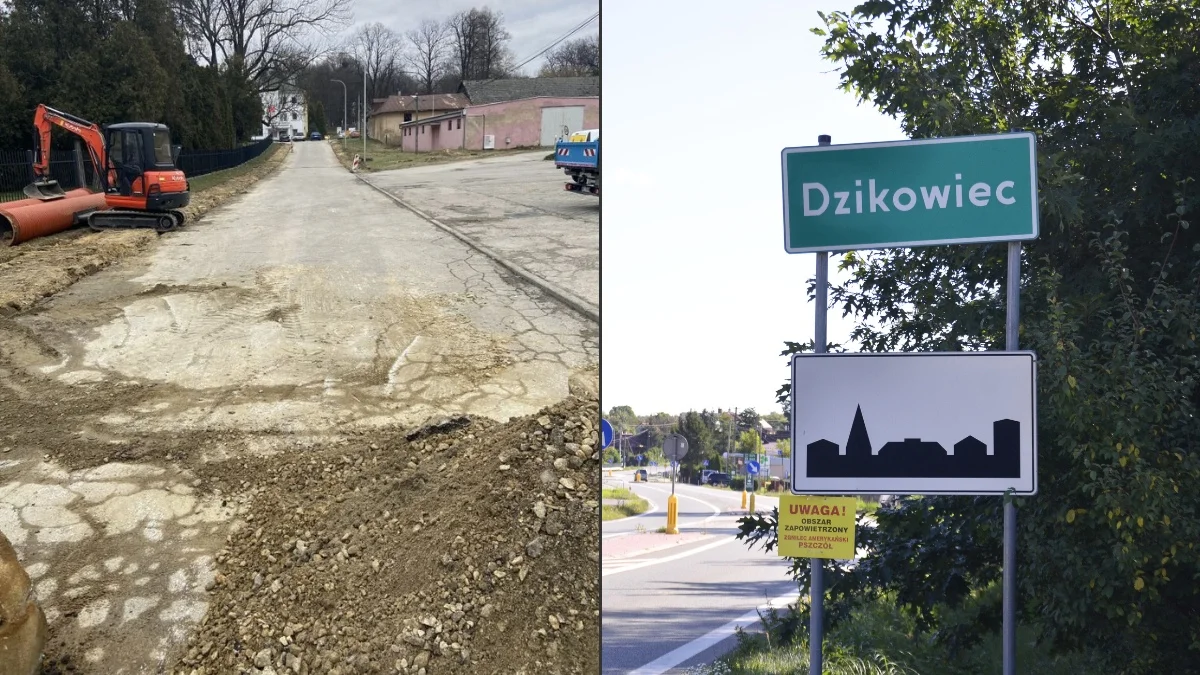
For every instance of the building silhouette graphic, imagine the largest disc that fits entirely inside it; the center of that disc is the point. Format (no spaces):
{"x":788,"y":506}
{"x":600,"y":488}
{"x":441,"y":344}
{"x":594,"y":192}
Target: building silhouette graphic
{"x":914,"y":458}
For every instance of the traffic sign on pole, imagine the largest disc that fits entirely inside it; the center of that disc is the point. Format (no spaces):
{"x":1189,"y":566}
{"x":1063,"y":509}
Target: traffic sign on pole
{"x":752,"y":468}
{"x":914,"y":423}
{"x":959,"y":190}
{"x":606,"y":434}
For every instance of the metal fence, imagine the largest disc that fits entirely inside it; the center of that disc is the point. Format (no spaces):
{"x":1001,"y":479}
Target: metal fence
{"x":16,"y":171}
{"x":199,"y":162}
{"x":16,"y":166}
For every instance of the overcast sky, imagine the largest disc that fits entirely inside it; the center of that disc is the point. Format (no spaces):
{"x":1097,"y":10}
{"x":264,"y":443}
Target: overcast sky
{"x":699,"y":98}
{"x":533,"y":24}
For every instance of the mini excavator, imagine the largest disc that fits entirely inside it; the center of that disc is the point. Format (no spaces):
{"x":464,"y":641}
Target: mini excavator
{"x":136,"y":167}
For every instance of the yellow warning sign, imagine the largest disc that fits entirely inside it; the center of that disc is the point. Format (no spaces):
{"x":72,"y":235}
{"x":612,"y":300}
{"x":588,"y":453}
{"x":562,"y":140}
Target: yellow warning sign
{"x":816,"y":527}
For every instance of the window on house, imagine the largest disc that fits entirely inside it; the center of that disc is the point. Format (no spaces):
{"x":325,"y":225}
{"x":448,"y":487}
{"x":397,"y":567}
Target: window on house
{"x":459,"y":125}
{"x":422,"y":129}
{"x":449,"y":125}
{"x":407,"y":117}
{"x":294,"y":117}
{"x":293,"y":100}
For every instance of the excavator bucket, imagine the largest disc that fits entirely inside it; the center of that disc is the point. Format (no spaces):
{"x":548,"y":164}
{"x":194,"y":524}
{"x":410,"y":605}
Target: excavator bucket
{"x":44,"y":190}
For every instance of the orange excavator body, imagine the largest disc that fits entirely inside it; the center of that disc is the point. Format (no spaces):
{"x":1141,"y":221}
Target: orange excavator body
{"x":134,"y":161}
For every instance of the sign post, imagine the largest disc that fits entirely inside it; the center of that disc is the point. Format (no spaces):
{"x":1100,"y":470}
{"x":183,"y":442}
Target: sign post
{"x":752,"y":470}
{"x":675,"y":447}
{"x":970,"y":189}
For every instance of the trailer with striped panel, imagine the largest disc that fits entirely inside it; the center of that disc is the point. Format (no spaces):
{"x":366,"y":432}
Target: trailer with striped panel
{"x":579,"y":157}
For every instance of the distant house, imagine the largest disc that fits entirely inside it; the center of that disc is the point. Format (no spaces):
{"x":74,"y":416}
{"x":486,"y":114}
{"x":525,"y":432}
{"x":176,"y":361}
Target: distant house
{"x":285,"y":113}
{"x":509,"y":113}
{"x":389,"y":115}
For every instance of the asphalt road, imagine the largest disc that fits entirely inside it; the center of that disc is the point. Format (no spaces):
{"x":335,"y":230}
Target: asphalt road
{"x":669,"y":607}
{"x":335,"y":304}
{"x":516,"y":205}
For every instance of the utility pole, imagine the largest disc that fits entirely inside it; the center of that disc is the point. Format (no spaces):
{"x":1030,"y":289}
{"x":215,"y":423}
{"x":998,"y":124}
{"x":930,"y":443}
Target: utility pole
{"x":364,"y":115}
{"x":345,"y":116}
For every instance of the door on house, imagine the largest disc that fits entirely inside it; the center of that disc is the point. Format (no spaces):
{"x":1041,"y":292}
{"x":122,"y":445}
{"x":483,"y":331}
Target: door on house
{"x":560,"y":121}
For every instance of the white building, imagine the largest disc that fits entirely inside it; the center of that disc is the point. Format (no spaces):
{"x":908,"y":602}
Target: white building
{"x":285,"y":114}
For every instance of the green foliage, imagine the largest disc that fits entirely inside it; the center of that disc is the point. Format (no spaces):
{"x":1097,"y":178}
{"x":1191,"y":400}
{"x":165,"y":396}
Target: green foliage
{"x":748,"y":419}
{"x":622,"y":418}
{"x":109,"y":62}
{"x":879,"y":638}
{"x":697,"y":428}
{"x":1110,"y":296}
{"x":749,"y":443}
{"x":785,"y":447}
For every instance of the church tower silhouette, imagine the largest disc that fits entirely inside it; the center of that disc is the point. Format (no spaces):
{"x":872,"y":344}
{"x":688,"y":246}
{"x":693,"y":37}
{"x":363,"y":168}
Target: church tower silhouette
{"x":859,"y":443}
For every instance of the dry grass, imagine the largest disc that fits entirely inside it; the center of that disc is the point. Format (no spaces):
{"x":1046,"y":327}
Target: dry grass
{"x":385,"y":158}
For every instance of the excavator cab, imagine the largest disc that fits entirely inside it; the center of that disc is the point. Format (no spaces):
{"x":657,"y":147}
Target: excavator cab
{"x":141,"y":161}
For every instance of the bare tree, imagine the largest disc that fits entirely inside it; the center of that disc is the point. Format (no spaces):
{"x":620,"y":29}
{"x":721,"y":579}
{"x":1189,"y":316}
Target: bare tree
{"x":203,"y":23}
{"x":480,"y":44}
{"x":378,"y":50}
{"x":427,"y":60}
{"x":574,"y":58}
{"x":272,"y":41}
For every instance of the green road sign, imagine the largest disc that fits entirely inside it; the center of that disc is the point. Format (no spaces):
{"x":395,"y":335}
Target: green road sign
{"x":962,"y":190}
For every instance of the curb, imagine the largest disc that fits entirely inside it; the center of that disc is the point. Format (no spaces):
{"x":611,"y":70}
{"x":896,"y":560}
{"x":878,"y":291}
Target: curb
{"x":579,"y":305}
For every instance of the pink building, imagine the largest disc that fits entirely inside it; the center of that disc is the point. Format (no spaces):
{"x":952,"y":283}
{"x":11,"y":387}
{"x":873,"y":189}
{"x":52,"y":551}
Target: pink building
{"x":516,"y":113}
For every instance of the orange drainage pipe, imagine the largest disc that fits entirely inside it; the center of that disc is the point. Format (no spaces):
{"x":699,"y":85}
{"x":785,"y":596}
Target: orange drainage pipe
{"x":27,"y":219}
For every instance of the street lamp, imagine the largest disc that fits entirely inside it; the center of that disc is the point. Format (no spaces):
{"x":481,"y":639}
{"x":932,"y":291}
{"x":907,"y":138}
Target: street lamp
{"x":345,"y":98}
{"x":364,"y":114}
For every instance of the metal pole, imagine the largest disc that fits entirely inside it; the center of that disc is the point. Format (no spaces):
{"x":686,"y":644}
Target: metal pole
{"x":816,"y":597}
{"x":364,"y":116}
{"x":345,"y":115}
{"x":1009,"y":609}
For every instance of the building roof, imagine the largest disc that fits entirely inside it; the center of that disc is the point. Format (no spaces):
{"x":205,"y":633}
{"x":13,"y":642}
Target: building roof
{"x":495,"y":91}
{"x":433,"y":119}
{"x":397,"y":103}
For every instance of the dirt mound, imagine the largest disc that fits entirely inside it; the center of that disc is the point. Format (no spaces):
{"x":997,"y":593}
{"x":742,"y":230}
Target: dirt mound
{"x":466,"y":547}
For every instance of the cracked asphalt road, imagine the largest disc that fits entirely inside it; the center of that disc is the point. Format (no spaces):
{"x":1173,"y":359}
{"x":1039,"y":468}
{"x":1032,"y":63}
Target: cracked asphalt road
{"x":339,"y":305}
{"x":515,"y":205}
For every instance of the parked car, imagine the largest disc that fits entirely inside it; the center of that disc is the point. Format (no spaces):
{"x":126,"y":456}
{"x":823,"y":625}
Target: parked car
{"x":297,"y":136}
{"x":354,"y":133}
{"x":717,"y":478}
{"x":640,"y":476}
{"x":316,"y":136}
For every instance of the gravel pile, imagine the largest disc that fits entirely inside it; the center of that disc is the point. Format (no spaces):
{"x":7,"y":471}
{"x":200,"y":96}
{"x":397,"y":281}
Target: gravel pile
{"x":468,"y":546}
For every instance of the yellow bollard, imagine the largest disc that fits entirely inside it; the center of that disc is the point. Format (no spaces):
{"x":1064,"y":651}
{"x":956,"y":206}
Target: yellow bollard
{"x":743,"y":498}
{"x":672,"y":514}
{"x":752,"y":503}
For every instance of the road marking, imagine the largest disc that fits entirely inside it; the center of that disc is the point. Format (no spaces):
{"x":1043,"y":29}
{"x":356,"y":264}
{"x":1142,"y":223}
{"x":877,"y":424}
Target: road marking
{"x":656,"y":561}
{"x":677,"y":656}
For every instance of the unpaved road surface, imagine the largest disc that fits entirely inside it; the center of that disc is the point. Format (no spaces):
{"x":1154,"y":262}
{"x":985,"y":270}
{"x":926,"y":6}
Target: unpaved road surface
{"x":515,"y":205}
{"x":307,"y":321}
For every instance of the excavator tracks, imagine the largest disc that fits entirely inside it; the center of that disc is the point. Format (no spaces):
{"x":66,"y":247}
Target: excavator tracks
{"x":121,"y":219}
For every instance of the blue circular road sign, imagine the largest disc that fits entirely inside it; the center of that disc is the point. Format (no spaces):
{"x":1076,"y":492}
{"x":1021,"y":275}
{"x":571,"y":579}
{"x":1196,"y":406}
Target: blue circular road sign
{"x":606,"y":432}
{"x":752,"y":468}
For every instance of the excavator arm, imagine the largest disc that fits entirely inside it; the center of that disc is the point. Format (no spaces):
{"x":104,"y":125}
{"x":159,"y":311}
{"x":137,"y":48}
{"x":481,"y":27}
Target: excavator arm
{"x":44,"y":119}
